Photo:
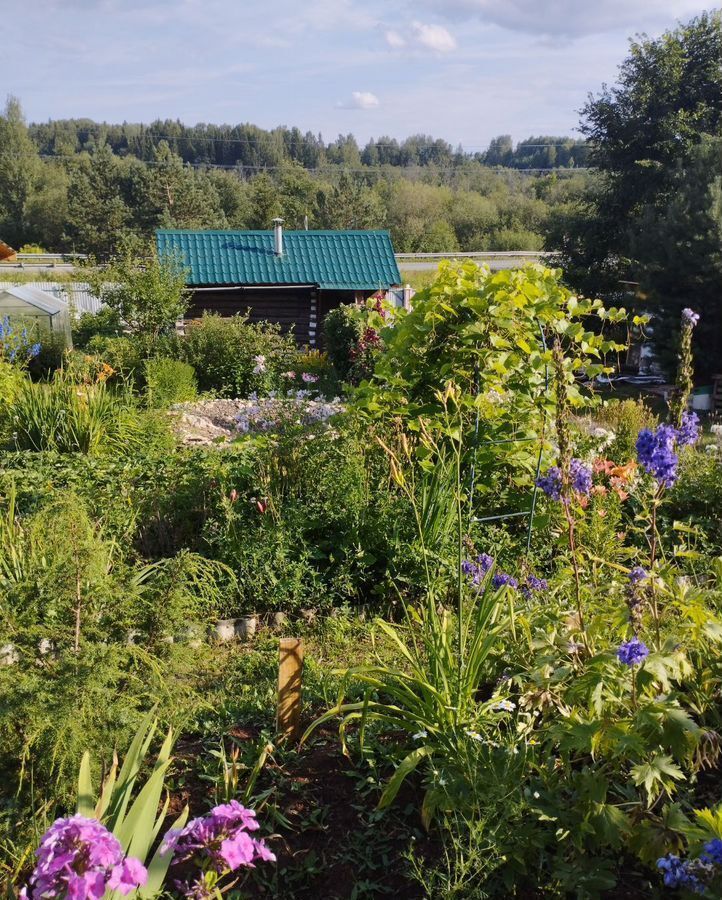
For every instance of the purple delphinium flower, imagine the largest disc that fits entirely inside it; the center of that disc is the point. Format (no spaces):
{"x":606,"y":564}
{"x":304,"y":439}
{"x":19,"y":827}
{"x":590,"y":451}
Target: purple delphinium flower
{"x":632,"y":652}
{"x":80,"y":859}
{"x":485,"y":562}
{"x":637,"y":574}
{"x":580,"y":478}
{"x":534,"y":585}
{"x":219,"y":842}
{"x":551,"y":483}
{"x":655,"y":452}
{"x":500,"y":579}
{"x":688,"y":432}
{"x":689,"y":317}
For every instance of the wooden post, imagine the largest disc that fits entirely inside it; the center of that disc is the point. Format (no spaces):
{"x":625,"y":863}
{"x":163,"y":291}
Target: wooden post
{"x":290,"y":669}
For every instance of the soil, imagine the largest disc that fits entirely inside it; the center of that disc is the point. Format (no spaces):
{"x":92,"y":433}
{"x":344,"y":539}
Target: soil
{"x":332,"y":843}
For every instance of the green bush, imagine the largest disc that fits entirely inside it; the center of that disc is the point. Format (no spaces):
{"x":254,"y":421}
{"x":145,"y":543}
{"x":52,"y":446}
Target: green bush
{"x":626,"y":418}
{"x":11,"y":383}
{"x":233,"y":357}
{"x":169,"y":381}
{"x":125,"y":355}
{"x":105,"y":324}
{"x":342,"y":330}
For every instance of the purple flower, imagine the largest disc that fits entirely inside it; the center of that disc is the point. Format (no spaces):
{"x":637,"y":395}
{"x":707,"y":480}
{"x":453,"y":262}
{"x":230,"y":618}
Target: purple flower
{"x":551,"y":483}
{"x":656,"y":453}
{"x":501,"y":579}
{"x":534,"y":585}
{"x":580,"y":477}
{"x":637,"y":574}
{"x":78,"y":858}
{"x":218,"y":842}
{"x":689,"y":317}
{"x":308,"y":378}
{"x":688,"y":432}
{"x":485,"y":562}
{"x":633,"y":652}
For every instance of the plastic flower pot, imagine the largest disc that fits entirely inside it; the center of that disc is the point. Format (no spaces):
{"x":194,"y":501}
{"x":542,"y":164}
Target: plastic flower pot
{"x":246,"y":626}
{"x":225,"y":630}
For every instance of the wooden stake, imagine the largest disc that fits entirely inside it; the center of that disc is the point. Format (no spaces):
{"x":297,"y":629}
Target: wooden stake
{"x":290,"y":670}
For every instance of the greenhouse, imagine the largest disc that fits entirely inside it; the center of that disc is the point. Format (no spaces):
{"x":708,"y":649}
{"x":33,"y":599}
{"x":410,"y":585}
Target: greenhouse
{"x":35,"y":308}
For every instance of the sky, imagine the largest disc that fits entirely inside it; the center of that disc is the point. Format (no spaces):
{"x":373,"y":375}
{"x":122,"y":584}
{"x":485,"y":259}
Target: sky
{"x":462,"y":70}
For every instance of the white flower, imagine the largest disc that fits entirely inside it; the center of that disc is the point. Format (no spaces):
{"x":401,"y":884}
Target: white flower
{"x":716,"y":429}
{"x":260,"y":366}
{"x":420,"y":735}
{"x":474,"y":735}
{"x":505,"y":705}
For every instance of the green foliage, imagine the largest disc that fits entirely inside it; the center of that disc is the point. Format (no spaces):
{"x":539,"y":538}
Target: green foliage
{"x":169,"y":381}
{"x":483,"y":333}
{"x":104,"y":323}
{"x":149,"y":296}
{"x":223,"y":352}
{"x":71,"y":418}
{"x":341,"y":332}
{"x":11,"y":383}
{"x":625,"y":418}
{"x":135,"y":821}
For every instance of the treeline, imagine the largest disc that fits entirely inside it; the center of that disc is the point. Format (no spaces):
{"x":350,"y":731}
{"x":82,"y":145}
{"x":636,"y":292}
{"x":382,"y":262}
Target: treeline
{"x":69,"y":189}
{"x":251,"y":148}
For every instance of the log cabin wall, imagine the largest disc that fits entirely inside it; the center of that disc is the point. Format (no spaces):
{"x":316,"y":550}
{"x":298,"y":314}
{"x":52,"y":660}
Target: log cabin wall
{"x":295,"y":309}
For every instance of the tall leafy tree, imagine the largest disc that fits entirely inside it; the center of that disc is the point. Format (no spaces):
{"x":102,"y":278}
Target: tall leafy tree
{"x":669,"y":93}
{"x":20,"y":168}
{"x":679,"y":248}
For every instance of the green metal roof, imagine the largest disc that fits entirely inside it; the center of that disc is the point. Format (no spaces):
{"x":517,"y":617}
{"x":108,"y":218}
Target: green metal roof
{"x":333,"y":260}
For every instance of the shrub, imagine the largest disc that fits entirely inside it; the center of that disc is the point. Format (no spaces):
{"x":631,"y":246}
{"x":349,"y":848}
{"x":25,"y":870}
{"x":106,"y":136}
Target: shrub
{"x":342,"y":330}
{"x":169,"y":381}
{"x":104,"y":323}
{"x":234,"y":357}
{"x":123,"y":354}
{"x":11,"y":382}
{"x":626,"y":418}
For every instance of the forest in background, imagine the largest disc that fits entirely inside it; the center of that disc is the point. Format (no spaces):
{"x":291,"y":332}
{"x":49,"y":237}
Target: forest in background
{"x":75,"y":185}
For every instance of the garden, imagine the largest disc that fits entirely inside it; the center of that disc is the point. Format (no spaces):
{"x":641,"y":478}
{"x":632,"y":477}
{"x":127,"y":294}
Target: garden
{"x":508,"y":593}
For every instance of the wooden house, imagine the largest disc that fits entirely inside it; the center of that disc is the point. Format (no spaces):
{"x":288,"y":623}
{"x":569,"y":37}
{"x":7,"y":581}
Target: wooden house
{"x":290,"y":277}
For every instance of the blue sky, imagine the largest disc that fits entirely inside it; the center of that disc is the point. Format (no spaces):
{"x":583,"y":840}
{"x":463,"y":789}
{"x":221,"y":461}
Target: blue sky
{"x":464,"y":70}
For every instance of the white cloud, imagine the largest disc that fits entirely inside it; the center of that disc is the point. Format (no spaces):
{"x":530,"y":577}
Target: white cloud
{"x":568,"y":17}
{"x":360,"y":100}
{"x":394,"y":39}
{"x":434,"y":37}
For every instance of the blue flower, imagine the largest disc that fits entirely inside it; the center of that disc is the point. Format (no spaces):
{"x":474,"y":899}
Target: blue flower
{"x":689,"y":317}
{"x":675,"y":870}
{"x":551,"y":483}
{"x":637,"y":574}
{"x":713,"y":852}
{"x":688,"y":432}
{"x":633,"y":652}
{"x":655,"y":452}
{"x":485,"y":562}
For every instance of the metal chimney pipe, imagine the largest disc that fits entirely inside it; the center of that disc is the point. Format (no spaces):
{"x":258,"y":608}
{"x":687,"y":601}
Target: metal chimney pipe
{"x":278,"y":236}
